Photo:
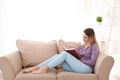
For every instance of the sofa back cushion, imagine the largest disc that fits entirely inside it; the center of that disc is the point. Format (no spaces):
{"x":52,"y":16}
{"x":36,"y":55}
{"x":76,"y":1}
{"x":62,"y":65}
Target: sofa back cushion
{"x":33,"y":52}
{"x":61,"y":44}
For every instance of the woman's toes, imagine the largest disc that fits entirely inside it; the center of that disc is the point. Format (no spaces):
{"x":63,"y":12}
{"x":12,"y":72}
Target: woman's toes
{"x":28,"y":70}
{"x":39,"y":71}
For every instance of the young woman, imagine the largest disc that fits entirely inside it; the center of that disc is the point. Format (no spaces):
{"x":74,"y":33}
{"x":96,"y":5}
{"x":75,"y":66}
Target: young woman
{"x":88,"y":53}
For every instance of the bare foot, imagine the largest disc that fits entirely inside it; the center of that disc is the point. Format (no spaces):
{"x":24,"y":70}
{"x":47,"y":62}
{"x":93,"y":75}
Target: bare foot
{"x":30,"y":69}
{"x":39,"y":72}
{"x":42,"y":70}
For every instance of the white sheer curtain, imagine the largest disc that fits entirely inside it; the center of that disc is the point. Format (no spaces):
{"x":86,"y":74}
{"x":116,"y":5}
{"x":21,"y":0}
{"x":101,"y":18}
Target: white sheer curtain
{"x":44,"y":20}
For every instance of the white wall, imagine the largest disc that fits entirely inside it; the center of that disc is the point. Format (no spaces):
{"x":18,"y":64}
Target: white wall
{"x":44,"y":20}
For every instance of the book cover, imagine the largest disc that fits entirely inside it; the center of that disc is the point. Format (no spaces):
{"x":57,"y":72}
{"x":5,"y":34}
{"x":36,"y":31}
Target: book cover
{"x":72,"y":51}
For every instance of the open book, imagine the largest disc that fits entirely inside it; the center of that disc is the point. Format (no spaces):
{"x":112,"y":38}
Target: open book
{"x":72,"y":51}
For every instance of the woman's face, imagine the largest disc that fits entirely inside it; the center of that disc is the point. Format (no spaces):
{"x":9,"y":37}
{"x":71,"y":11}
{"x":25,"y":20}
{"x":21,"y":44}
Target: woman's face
{"x":85,"y":38}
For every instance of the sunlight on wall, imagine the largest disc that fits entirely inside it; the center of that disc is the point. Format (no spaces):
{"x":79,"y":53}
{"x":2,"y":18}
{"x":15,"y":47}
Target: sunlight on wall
{"x":44,"y":20}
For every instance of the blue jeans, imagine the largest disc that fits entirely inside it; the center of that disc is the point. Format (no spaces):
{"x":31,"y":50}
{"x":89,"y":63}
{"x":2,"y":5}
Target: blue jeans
{"x":68,"y":62}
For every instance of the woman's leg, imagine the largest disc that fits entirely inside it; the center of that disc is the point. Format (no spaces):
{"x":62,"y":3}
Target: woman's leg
{"x":47,"y":61}
{"x":39,"y":65}
{"x":66,"y":66}
{"x":60,"y":58}
{"x":74,"y":64}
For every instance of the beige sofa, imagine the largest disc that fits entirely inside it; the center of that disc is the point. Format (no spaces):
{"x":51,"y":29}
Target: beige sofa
{"x":31,"y":53}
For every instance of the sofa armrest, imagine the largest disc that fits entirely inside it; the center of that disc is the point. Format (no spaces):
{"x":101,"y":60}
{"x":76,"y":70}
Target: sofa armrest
{"x":103,"y":66}
{"x":10,"y":65}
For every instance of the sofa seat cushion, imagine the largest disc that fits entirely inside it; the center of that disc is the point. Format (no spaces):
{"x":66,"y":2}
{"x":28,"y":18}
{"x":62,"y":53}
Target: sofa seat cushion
{"x":51,"y":75}
{"x":35,"y":52}
{"x":75,"y":76}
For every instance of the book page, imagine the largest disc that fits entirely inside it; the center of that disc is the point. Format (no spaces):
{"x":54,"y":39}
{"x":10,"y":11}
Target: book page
{"x":68,"y":48}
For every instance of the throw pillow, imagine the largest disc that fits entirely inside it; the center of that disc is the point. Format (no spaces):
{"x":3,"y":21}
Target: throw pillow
{"x":33,"y":52}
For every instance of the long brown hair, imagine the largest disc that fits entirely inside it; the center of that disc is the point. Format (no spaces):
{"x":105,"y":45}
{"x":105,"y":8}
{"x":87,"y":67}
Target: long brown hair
{"x":91,"y":34}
